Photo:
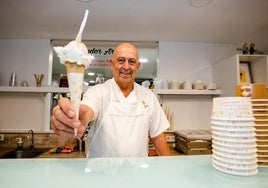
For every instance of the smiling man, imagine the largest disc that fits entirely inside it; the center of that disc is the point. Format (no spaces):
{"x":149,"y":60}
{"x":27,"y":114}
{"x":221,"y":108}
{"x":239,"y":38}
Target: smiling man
{"x":122,"y":113}
{"x":125,"y":66}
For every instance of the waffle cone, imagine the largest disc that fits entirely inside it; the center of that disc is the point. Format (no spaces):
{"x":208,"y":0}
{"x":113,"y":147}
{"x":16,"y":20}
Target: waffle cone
{"x":74,"y":67}
{"x":75,"y":74}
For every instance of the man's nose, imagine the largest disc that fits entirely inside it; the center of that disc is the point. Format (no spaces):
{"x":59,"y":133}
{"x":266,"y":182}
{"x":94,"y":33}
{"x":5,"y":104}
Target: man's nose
{"x":126,"y":65}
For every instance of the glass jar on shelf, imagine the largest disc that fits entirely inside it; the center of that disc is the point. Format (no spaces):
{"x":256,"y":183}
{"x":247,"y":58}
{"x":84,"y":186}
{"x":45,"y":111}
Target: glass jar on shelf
{"x":99,"y":79}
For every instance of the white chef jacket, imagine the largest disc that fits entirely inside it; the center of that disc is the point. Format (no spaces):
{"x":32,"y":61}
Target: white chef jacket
{"x":99,"y":96}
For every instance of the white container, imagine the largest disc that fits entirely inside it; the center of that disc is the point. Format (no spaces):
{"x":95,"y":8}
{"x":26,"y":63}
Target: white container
{"x":174,"y":84}
{"x":233,"y":134}
{"x":199,"y":85}
{"x":186,"y":85}
{"x":233,"y":171}
{"x":234,"y":149}
{"x":232,"y":128}
{"x":232,"y":108}
{"x":211,"y":86}
{"x":236,"y":139}
{"x":239,"y":156}
{"x":248,"y":144}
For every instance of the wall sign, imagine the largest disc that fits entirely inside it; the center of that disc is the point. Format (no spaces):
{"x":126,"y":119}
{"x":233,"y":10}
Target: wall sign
{"x":101,"y":57}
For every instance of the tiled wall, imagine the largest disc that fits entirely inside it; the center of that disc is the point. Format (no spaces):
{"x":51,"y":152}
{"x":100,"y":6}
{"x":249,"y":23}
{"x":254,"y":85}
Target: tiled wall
{"x":41,"y":140}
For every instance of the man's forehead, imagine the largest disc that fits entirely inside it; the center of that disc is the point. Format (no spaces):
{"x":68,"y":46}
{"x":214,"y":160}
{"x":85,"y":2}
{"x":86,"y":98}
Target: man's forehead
{"x":126,"y":50}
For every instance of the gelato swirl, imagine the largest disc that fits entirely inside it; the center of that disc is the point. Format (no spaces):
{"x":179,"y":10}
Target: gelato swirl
{"x":75,"y":52}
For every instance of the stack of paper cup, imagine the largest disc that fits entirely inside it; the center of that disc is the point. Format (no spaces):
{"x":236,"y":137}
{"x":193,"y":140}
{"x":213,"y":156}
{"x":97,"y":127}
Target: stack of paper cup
{"x":233,"y":136}
{"x":260,"y":111}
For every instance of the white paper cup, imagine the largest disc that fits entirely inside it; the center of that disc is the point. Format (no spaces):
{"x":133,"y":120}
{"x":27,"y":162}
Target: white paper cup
{"x":252,"y":149}
{"x":246,"y":144}
{"x":234,"y":171}
{"x":236,"y":155}
{"x":232,"y":108}
{"x":236,"y":134}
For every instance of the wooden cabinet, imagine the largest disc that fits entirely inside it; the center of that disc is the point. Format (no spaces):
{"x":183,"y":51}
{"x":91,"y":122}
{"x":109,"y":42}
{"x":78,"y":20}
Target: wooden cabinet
{"x":239,"y":69}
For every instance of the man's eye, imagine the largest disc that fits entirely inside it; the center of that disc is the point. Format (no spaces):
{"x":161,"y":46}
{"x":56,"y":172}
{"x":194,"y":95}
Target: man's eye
{"x":121,"y":60}
{"x":132,"y":61}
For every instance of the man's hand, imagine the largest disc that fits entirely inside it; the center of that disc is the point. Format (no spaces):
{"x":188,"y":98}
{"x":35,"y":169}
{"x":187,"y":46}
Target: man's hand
{"x":63,"y":121}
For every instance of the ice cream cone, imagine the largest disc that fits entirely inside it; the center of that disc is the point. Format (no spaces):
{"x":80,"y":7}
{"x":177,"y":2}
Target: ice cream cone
{"x":76,"y":58}
{"x":74,"y":68}
{"x":75,"y":74}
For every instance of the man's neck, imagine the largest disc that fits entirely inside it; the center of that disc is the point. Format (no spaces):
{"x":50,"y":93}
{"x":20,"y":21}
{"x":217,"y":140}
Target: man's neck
{"x":126,"y":89}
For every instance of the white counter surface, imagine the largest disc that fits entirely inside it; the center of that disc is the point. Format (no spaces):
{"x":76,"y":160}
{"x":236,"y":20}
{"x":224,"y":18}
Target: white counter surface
{"x":152,"y":172}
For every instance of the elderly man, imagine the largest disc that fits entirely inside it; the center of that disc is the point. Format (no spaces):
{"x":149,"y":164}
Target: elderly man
{"x":122,"y":113}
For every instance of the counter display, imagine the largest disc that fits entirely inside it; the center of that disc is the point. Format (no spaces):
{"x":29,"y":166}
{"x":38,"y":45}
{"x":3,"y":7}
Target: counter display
{"x":179,"y":171}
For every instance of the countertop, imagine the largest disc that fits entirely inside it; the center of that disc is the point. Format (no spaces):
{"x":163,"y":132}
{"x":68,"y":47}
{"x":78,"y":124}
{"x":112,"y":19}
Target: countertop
{"x":74,"y":154}
{"x":173,"y":171}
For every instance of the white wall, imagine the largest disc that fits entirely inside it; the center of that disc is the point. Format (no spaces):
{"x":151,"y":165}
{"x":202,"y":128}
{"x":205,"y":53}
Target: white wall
{"x":181,"y":61}
{"x":25,"y":57}
{"x":23,"y":111}
{"x":190,"y":62}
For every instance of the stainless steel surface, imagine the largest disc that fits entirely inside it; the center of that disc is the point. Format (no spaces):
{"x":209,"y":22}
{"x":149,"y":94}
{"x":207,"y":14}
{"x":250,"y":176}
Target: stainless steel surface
{"x":30,"y":138}
{"x":15,"y":154}
{"x":13,"y":79}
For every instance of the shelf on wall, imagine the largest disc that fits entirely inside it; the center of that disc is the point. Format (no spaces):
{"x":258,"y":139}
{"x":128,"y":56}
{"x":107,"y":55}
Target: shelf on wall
{"x":45,"y":89}
{"x":186,"y":92}
{"x":52,"y":89}
{"x":247,"y":57}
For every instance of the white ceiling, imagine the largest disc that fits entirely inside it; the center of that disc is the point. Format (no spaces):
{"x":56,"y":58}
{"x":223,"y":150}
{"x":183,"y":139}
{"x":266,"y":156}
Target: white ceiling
{"x":221,"y":21}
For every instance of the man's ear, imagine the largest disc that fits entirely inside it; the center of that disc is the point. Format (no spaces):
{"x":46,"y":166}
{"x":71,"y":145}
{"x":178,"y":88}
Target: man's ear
{"x":139,"y":64}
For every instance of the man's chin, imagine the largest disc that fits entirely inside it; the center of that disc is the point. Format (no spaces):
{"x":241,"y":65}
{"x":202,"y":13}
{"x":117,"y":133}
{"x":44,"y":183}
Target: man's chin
{"x":126,"y":77}
{"x":126,"y":80}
